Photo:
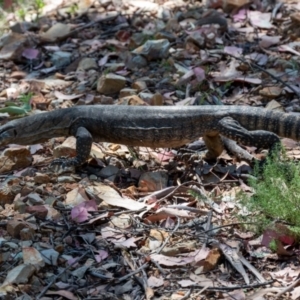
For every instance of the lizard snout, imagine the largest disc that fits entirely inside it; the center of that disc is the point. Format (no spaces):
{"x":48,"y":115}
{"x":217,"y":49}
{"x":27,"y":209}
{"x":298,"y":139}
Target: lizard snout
{"x":7,"y":134}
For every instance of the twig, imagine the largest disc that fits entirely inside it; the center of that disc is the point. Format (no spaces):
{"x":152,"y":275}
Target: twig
{"x":201,"y":291}
{"x":167,"y":239}
{"x":183,"y":185}
{"x":42,"y":293}
{"x":227,"y":225}
{"x":276,"y":8}
{"x":187,"y":295}
{"x":288,"y":288}
{"x":188,"y":208}
{"x":263,"y":70}
{"x":132,"y":273}
{"x":231,"y":288}
{"x":161,"y":270}
{"x":207,"y":227}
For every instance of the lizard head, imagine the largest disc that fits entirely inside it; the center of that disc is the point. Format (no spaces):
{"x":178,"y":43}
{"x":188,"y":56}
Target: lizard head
{"x":34,"y":129}
{"x":8,"y":134}
{"x":15,"y":132}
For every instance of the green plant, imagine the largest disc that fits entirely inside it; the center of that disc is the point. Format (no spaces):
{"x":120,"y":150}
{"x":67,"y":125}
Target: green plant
{"x":273,"y":245}
{"x":21,"y":12}
{"x":12,"y":109}
{"x":276,"y":191}
{"x":73,"y":9}
{"x":39,"y":5}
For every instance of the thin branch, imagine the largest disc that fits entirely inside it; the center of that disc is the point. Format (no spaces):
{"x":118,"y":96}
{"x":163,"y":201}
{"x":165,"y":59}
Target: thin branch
{"x":42,"y":293}
{"x":263,"y":70}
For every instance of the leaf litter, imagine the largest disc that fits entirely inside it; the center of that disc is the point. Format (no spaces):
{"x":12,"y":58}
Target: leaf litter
{"x":141,"y":223}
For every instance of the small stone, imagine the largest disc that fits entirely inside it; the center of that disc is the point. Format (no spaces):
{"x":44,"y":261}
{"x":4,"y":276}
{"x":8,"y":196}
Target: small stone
{"x":18,"y":75}
{"x":271,"y":92}
{"x":26,"y":190}
{"x":137,"y":62}
{"x":4,"y":256}
{"x":15,"y":158}
{"x":20,"y":206}
{"x":14,"y":227}
{"x":86,"y":64}
{"x":146,"y":96}
{"x":131,"y":100}
{"x":33,"y":257}
{"x":61,"y":59}
{"x":22,"y":27}
{"x":41,"y":178}
{"x":20,"y":274}
{"x":65,"y":179}
{"x":110,"y":84}
{"x":153,"y":181}
{"x":114,"y":147}
{"x":139,"y":85}
{"x":93,"y":177}
{"x":40,"y":189}
{"x":136,"y":40}
{"x":35,"y":199}
{"x":154,"y":49}
{"x":26,"y":243}
{"x":50,"y":256}
{"x":127,"y":92}
{"x":66,"y":149}
{"x":231,"y":5}
{"x":39,"y":211}
{"x":12,"y":46}
{"x":58,"y":31}
{"x":102,"y":99}
{"x":109,"y":173}
{"x":9,"y":189}
{"x":26,"y":234}
{"x":157,"y":99}
{"x":196,"y":38}
{"x":11,"y":245}
{"x":274,"y":105}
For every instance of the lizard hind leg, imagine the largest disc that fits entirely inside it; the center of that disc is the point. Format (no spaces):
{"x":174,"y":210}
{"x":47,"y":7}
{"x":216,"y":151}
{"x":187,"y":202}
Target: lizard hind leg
{"x":232,"y":129}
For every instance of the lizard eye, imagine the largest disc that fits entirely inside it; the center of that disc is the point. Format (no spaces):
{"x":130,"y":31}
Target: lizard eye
{"x":15,"y":132}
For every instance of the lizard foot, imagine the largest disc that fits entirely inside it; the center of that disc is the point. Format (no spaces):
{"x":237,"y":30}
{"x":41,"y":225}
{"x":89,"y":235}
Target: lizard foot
{"x":62,"y":165}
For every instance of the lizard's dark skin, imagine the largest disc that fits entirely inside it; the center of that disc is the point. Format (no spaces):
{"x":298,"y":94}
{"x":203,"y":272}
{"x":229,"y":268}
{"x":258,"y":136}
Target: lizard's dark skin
{"x":155,"y":126}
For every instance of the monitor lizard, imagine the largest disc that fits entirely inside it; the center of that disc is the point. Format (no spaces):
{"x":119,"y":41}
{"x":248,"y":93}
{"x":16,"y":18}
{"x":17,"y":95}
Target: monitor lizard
{"x":153,"y":126}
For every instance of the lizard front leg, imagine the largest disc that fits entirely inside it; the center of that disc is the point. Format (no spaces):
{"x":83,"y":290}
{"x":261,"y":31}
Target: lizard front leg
{"x":214,"y":145}
{"x":83,"y":148}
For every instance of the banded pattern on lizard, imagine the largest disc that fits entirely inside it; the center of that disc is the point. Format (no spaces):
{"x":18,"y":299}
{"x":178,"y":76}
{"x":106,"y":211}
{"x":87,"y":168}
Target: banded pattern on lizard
{"x":153,"y":127}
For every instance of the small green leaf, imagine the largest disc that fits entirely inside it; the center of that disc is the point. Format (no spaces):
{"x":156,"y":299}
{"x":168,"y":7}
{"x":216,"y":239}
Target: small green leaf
{"x":14,"y":110}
